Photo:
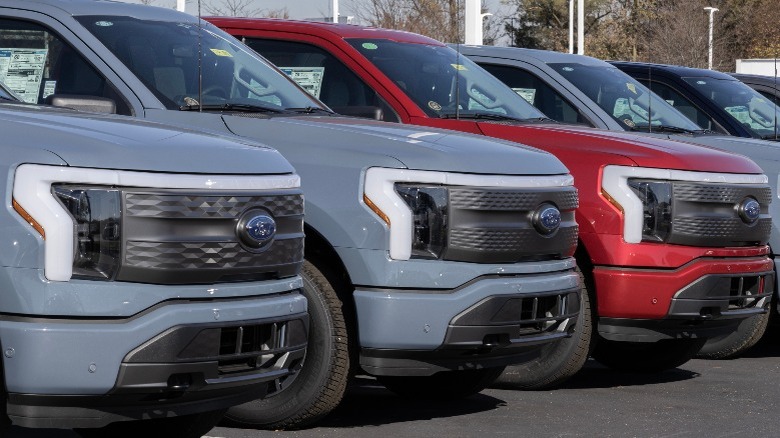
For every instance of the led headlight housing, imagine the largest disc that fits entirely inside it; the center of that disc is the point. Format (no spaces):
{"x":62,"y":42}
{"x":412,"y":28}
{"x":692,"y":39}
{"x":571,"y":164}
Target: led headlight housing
{"x":429,"y":205}
{"x":656,"y":197}
{"x":97,"y":229}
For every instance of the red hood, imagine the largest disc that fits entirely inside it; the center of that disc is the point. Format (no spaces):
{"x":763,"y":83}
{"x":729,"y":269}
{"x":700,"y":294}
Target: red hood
{"x":567,"y":141}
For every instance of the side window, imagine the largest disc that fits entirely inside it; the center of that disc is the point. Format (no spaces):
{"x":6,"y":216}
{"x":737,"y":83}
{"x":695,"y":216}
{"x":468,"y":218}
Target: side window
{"x":537,"y":93}
{"x":683,"y":105}
{"x":35,"y":64}
{"x":326,"y":78}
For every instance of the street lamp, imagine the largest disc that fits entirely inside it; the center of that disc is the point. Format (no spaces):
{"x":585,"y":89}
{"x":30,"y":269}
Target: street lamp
{"x":712,"y":11}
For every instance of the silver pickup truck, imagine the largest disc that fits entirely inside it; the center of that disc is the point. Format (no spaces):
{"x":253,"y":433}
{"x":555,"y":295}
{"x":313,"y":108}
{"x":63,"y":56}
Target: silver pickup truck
{"x":146,"y":272}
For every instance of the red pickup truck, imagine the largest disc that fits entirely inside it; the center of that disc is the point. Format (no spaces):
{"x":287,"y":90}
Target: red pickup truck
{"x":672,"y":236}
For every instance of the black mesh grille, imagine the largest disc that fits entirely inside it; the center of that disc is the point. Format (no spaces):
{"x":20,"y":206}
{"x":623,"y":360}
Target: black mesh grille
{"x":717,"y":227}
{"x":482,"y":199}
{"x":508,"y":240}
{"x":696,"y":192}
{"x":184,"y":237}
{"x":209,"y":255}
{"x":492,"y":225}
{"x":185,"y":206}
{"x":707,"y":214}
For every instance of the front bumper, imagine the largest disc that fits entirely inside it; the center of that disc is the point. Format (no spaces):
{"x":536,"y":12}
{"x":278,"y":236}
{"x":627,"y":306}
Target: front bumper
{"x":178,"y":358}
{"x":707,"y":297}
{"x":493,"y":320}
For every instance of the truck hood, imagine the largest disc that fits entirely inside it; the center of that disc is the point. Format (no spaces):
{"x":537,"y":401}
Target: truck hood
{"x":643,"y":150}
{"x":104,"y":141}
{"x":414,"y":147}
{"x":753,"y":148}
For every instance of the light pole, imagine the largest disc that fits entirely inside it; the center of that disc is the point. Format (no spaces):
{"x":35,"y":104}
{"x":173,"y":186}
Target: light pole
{"x":335,"y":11}
{"x":712,"y":11}
{"x":571,"y":26}
{"x":580,"y":27}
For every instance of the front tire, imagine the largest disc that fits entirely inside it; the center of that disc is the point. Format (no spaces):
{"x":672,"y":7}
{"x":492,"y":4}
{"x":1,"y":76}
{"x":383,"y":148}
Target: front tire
{"x":559,"y":360}
{"x":445,"y":385}
{"x":185,"y":426}
{"x":748,"y":333}
{"x":322,"y":380}
{"x":646,"y":357}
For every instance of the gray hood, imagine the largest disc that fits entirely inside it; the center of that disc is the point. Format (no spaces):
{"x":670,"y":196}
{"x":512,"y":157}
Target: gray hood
{"x":101,"y":141}
{"x":413,"y":147}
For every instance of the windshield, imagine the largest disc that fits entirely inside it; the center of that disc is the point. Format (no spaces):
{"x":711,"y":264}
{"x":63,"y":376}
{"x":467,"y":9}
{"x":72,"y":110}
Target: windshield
{"x":754,"y":111}
{"x":624,"y":98}
{"x":442,"y":82}
{"x":164,"y":56}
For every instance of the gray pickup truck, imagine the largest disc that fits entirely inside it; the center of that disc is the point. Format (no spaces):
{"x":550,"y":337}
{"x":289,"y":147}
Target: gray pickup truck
{"x":583,"y":90}
{"x":432,"y":260}
{"x":147,"y":272}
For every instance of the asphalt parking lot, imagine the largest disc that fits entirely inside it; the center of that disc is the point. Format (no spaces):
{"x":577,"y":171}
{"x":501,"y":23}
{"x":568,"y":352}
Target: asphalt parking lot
{"x":728,"y":398}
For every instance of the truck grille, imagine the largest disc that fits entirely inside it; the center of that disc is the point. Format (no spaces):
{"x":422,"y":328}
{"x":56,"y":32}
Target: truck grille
{"x":179,"y":237}
{"x":706,"y":214}
{"x":492,"y":225}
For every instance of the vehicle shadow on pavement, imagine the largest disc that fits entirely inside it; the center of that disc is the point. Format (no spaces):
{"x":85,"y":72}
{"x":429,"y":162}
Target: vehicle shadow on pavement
{"x":368,"y":403}
{"x":595,"y":375}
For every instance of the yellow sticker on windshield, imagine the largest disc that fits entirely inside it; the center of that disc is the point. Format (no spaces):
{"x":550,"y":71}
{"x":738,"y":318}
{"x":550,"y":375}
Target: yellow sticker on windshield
{"x":459,"y":67}
{"x":631,"y":87}
{"x":220,"y":52}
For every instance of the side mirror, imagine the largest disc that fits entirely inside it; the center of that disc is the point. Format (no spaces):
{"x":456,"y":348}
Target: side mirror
{"x":82,"y":103}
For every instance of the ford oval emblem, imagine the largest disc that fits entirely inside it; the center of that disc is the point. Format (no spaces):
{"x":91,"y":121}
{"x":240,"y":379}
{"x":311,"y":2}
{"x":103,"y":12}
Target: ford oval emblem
{"x":547,"y":219}
{"x":749,"y":210}
{"x":256,"y":229}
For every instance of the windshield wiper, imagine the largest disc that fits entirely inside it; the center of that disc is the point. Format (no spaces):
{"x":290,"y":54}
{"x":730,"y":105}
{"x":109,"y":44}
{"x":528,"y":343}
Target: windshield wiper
{"x":232,"y":107}
{"x":483,"y":116}
{"x":310,"y":110}
{"x":669,"y":128}
{"x":775,"y":137}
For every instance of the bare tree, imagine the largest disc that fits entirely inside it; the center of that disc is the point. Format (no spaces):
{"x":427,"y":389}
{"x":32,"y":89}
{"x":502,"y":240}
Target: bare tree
{"x":231,"y":8}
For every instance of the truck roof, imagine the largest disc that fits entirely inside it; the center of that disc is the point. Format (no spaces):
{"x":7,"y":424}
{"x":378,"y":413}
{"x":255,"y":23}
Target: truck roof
{"x":674,"y":69}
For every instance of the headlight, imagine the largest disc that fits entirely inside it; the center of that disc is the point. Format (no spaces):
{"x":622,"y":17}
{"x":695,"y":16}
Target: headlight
{"x":413,"y":204}
{"x":96,"y":213}
{"x":429,"y":205}
{"x":644,"y":196}
{"x":656,"y":197}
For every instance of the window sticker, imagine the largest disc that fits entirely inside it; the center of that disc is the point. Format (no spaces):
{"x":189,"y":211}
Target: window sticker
{"x":104,"y":23}
{"x":21,"y":70}
{"x":370,"y":46}
{"x":459,"y":67}
{"x":434,"y":105}
{"x":631,"y":87}
{"x":220,"y":52}
{"x":48,"y":88}
{"x":671,"y":101}
{"x":309,"y":78}
{"x":529,"y":94}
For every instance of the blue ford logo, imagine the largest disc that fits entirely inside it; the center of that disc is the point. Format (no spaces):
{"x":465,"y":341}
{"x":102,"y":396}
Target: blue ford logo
{"x":547,"y":219}
{"x":749,"y":210}
{"x":255,"y":229}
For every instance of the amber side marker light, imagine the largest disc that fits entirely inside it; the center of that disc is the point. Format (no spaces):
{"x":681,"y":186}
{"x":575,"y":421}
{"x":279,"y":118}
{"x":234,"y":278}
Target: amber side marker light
{"x":26,"y":216}
{"x":612,"y":201}
{"x":376,"y":209}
